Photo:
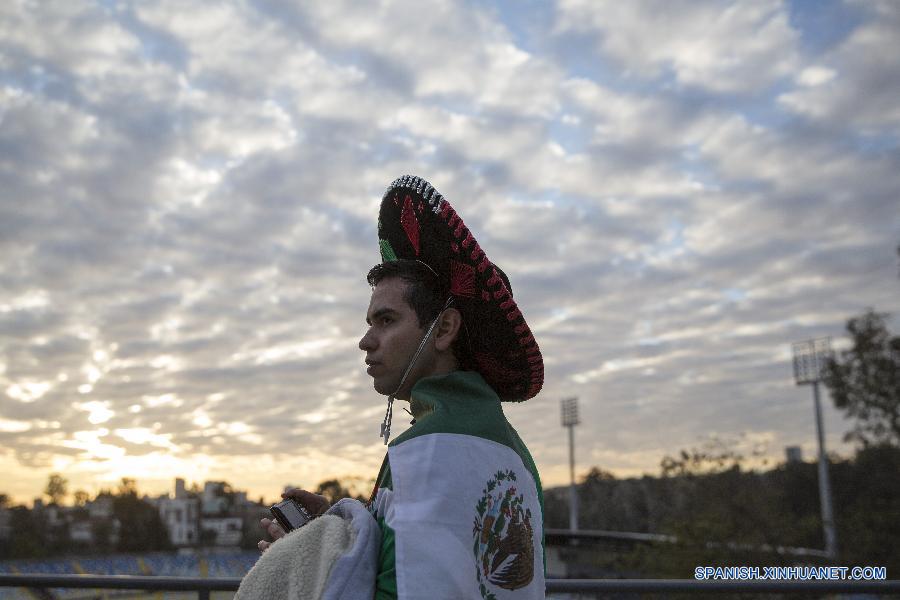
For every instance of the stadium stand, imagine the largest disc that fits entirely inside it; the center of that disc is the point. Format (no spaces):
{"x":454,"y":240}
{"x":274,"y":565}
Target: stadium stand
{"x":234,"y":564}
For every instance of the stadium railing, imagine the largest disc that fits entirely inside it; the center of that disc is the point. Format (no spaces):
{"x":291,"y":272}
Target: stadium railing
{"x":203,"y":586}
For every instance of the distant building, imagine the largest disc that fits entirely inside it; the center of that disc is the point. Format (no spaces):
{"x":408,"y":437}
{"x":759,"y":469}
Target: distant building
{"x":111,"y":529}
{"x":794,"y":454}
{"x":100,"y":507}
{"x":216,"y":517}
{"x":91,"y":525}
{"x":81,"y":532}
{"x":181,"y":517}
{"x":228,"y":530}
{"x":53,"y":515}
{"x":215,"y":498}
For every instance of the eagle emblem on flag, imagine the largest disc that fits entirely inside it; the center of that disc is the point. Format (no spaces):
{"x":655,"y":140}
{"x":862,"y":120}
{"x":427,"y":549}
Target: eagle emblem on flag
{"x":503,"y":536}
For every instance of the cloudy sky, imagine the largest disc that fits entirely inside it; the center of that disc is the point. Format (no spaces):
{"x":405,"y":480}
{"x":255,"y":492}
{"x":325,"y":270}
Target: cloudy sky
{"x":189,"y":191}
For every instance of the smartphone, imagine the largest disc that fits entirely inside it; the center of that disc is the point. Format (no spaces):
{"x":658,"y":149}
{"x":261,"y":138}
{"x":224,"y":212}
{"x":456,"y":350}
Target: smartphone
{"x":289,"y":514}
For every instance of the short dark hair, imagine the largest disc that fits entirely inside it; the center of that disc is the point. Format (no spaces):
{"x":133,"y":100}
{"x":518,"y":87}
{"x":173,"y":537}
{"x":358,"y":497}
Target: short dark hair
{"x":424,"y":292}
{"x":426,"y":295}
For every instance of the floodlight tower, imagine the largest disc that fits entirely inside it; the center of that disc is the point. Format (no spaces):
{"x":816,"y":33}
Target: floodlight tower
{"x":810,"y":358}
{"x":570,"y":420}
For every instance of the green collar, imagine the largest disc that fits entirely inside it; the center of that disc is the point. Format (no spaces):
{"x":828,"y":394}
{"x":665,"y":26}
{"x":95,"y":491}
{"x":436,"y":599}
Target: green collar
{"x":448,"y":391}
{"x":458,"y":402}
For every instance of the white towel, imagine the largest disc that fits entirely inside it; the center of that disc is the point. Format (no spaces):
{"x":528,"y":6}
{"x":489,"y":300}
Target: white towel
{"x":332,"y":557}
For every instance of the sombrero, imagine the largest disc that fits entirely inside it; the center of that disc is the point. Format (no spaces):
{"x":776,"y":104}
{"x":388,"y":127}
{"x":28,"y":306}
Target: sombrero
{"x":415,"y":222}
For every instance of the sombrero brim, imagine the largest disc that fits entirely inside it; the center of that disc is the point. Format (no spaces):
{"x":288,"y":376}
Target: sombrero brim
{"x":415,"y":222}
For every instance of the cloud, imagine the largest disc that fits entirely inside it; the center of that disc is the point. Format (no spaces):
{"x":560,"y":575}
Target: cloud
{"x":856,"y":82}
{"x":188,"y":197}
{"x":735,"y":48}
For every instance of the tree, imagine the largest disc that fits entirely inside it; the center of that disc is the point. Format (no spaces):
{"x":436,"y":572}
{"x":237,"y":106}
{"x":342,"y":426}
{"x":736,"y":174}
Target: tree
{"x":338,"y":489}
{"x":720,"y":512}
{"x":102,"y":531}
{"x":865,"y":381}
{"x":333,"y":490}
{"x":27,"y":537}
{"x":597,"y":474}
{"x":194,"y":491}
{"x":56,"y":488}
{"x":867,"y":506}
{"x":128,"y":487}
{"x":81,"y":497}
{"x":141,"y":528}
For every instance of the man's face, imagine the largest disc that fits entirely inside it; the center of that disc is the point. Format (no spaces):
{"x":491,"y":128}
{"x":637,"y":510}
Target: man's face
{"x":392,"y":339}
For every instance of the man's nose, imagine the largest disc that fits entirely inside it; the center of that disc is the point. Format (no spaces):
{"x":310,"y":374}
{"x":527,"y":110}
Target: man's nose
{"x":367,"y":342}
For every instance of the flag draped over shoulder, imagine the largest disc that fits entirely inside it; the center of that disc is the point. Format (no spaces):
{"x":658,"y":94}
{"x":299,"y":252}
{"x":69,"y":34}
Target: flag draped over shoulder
{"x":459,"y":501}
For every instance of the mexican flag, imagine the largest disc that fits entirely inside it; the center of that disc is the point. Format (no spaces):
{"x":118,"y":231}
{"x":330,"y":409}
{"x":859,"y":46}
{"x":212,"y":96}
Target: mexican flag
{"x":459,"y":501}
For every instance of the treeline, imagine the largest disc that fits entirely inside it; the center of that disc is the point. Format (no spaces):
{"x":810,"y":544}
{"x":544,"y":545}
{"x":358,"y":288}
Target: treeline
{"x":724,"y":514}
{"x":130,"y":525}
{"x":123,"y":521}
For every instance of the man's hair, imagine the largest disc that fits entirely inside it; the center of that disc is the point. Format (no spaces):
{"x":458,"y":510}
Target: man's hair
{"x":424,"y":292}
{"x":426,"y":295}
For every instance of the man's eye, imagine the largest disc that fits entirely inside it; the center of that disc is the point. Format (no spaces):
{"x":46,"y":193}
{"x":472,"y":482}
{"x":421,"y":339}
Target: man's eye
{"x":386,"y":320}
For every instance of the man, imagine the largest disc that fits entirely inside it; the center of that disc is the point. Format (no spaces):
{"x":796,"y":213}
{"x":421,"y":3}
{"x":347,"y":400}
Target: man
{"x":458,"y":498}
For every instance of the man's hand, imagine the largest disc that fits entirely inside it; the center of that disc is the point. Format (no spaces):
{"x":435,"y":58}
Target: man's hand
{"x":273,"y":529}
{"x":314,"y":504}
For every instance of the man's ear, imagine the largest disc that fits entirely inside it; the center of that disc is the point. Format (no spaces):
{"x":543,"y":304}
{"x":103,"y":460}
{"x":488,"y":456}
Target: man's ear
{"x":447,"y":329}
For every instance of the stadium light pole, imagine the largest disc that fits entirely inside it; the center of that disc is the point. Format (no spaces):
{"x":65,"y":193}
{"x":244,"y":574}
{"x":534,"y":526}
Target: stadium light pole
{"x":570,"y":420}
{"x":810,"y":358}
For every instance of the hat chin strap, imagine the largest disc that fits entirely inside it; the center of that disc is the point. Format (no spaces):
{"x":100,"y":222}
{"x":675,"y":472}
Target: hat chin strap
{"x":389,"y":413}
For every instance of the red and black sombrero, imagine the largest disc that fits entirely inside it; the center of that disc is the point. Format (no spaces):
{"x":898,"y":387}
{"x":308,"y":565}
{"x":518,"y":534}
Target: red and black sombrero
{"x":415,"y":222}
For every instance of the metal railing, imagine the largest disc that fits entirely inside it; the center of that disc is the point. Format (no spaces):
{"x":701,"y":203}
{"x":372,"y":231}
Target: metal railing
{"x":203,"y":586}
{"x":599,"y":535}
{"x":150,"y":583}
